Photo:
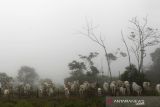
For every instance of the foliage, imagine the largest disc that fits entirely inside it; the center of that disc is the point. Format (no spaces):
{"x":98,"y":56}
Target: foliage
{"x":142,"y":36}
{"x":83,"y":71}
{"x":111,"y":56}
{"x":132,"y":75}
{"x":90,"y":57}
{"x":77,"y":69}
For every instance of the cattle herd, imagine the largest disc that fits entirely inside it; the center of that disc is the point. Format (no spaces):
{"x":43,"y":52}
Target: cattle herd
{"x":45,"y":88}
{"x":75,"y":88}
{"x":114,"y":88}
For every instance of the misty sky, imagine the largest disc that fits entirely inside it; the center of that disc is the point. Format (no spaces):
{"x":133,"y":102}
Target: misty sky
{"x":43,"y":33}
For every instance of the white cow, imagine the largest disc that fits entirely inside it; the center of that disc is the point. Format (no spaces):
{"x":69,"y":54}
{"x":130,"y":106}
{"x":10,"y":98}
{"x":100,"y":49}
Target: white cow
{"x":74,"y":86}
{"x":81,"y":89}
{"x":158,"y":88}
{"x":40,"y":91}
{"x":84,"y":87}
{"x":122,"y":90}
{"x":136,"y":88}
{"x":106,"y":87}
{"x":127,"y":86}
{"x":50,"y":91}
{"x":27,"y":88}
{"x":66,"y":91}
{"x":119,"y":83}
{"x":6,"y":92}
{"x":113,"y":87}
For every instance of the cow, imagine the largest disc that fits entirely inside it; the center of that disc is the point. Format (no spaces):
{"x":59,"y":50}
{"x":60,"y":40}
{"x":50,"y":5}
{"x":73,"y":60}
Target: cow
{"x":136,"y":88}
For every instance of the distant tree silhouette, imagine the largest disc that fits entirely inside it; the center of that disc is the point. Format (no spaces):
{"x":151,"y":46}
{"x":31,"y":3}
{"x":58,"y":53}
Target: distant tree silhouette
{"x":153,"y":73}
{"x":27,"y":75}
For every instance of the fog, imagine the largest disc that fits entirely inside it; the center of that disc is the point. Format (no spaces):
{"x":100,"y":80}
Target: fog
{"x":43,"y":34}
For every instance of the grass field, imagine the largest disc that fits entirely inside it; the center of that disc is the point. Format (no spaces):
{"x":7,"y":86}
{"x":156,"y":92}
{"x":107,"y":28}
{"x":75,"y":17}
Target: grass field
{"x":53,"y":102}
{"x":150,"y":101}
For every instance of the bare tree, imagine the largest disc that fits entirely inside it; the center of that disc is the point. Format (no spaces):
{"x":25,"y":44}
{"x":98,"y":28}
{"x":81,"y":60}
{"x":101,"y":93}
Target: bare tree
{"x":127,"y":48}
{"x":89,"y":32}
{"x":142,"y":36}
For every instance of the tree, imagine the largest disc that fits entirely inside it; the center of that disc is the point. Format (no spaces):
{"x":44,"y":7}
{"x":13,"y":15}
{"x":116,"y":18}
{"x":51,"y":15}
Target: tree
{"x":77,"y":68}
{"x":142,"y":36}
{"x":90,"y":33}
{"x":91,"y":69}
{"x":127,"y":49}
{"x":27,"y":75}
{"x":132,"y":75}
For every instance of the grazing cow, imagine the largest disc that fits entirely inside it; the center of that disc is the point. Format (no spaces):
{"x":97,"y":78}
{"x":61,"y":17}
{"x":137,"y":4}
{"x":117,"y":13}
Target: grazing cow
{"x":158,"y":88}
{"x":136,"y":88}
{"x":84,"y":87}
{"x":122,"y":90}
{"x":40,"y":91}
{"x":81,"y":89}
{"x":66,"y":91}
{"x":75,"y":86}
{"x":50,"y":91}
{"x":68,"y":85}
{"x":106,"y":87}
{"x":6,"y":92}
{"x":48,"y":87}
{"x":113,"y":87}
{"x":27,"y":89}
{"x":119,"y":83}
{"x":127,"y":86}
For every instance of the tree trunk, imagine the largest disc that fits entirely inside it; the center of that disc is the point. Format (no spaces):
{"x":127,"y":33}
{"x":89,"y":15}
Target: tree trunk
{"x":109,"y":68}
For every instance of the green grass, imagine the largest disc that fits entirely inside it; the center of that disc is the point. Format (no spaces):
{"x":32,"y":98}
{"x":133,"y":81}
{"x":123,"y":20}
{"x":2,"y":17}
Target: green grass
{"x":54,"y":102}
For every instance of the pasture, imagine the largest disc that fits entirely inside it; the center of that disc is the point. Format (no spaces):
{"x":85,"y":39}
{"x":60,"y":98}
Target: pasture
{"x":150,"y":101}
{"x":53,"y":102}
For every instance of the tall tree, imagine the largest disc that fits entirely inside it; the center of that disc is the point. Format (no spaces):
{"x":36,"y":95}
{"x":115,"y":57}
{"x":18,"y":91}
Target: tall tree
{"x":97,"y":38}
{"x":142,"y":36}
{"x":77,"y":68}
{"x":127,"y":49}
{"x":90,"y":33}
